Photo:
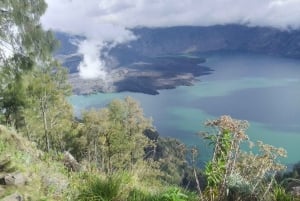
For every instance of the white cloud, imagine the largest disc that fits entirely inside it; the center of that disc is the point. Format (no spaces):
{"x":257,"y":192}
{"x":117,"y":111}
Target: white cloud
{"x":91,"y":66}
{"x":104,"y":21}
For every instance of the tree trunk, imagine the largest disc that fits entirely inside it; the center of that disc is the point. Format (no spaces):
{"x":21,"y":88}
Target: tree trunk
{"x":96,"y":153}
{"x":44,"y":114}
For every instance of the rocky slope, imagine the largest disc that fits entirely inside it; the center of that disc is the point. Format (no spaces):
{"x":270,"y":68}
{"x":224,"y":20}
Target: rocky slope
{"x":27,"y":173}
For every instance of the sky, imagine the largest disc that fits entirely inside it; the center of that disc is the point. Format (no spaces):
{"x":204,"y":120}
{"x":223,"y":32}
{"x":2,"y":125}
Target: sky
{"x":106,"y":23}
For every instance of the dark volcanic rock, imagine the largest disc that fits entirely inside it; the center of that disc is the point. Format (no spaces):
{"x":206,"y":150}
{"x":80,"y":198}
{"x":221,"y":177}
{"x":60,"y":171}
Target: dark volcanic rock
{"x":148,"y":76}
{"x":141,"y":84}
{"x":155,"y":60}
{"x":161,"y":73}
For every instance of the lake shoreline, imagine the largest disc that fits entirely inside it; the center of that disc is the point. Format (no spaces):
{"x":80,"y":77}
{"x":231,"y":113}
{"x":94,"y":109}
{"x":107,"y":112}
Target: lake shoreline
{"x":147,"y":76}
{"x":262,"y":89}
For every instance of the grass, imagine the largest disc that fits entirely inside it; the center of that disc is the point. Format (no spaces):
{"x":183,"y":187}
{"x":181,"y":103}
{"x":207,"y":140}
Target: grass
{"x":17,"y":154}
{"x":118,"y":187}
{"x":96,"y":189}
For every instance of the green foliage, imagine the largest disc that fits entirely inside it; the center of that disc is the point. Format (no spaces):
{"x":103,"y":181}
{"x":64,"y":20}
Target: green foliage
{"x":33,"y":85}
{"x":48,"y":116}
{"x":137,"y":195}
{"x":112,"y":138}
{"x":24,"y":45}
{"x":233,"y":174}
{"x":21,"y":30}
{"x":33,"y":91}
{"x":13,"y":95}
{"x":116,"y":187}
{"x":171,"y":194}
{"x":171,"y":156}
{"x":21,"y":156}
{"x":33,"y":101}
{"x":97,"y":189}
{"x":280,"y":194}
{"x":175,"y":195}
{"x":214,"y":173}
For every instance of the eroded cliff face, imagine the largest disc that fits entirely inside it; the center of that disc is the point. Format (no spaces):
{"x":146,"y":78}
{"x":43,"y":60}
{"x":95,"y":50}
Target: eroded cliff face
{"x":144,"y":65}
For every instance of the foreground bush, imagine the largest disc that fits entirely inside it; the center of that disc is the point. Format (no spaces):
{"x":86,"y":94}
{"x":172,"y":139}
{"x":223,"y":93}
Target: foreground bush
{"x":119,"y":188}
{"x":96,"y":189}
{"x":233,"y":174}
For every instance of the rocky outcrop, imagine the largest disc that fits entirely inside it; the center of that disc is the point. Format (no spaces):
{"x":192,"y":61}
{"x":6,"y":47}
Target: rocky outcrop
{"x":25,"y":171}
{"x":13,"y":197}
{"x":296,"y":191}
{"x":70,"y":162}
{"x":55,"y":184}
{"x":16,"y":179}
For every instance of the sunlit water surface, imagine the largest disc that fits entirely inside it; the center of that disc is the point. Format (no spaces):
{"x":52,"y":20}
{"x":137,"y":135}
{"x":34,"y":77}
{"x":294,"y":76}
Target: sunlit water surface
{"x":264,"y":90}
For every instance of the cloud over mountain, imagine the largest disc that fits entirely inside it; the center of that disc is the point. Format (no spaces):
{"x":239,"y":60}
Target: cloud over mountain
{"x":106,"y":22}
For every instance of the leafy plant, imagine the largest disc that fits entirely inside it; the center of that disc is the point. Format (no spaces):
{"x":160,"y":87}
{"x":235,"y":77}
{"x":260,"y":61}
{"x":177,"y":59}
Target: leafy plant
{"x":2,"y":146}
{"x":174,"y":194}
{"x":96,"y":189}
{"x":137,"y":195}
{"x":280,"y":194}
{"x":232,"y":172}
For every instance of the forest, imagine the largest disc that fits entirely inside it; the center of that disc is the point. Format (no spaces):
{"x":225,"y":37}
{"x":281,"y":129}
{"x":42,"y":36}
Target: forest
{"x":113,"y":153}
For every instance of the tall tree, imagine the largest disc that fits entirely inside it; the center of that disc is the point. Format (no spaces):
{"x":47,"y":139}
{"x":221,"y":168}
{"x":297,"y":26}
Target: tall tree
{"x":114,"y":136}
{"x":134,"y":124}
{"x":21,"y":32}
{"x":48,"y":116}
{"x":23,"y":43}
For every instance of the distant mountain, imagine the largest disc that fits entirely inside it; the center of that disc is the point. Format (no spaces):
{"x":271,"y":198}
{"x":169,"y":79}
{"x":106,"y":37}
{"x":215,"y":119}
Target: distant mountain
{"x":128,"y":69}
{"x":67,"y":50}
{"x":174,"y":40}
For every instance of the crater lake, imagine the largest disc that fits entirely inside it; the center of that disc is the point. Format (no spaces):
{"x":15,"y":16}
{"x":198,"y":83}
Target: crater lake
{"x":262,"y":89}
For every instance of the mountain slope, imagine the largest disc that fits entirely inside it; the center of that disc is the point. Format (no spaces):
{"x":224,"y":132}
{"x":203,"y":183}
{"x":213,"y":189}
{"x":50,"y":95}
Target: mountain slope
{"x":175,"y":40}
{"x":27,"y":173}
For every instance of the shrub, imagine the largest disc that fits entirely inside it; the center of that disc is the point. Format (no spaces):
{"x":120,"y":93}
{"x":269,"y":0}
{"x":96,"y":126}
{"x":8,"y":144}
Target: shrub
{"x":137,"y":195}
{"x":232,"y":172}
{"x":97,"y":189}
{"x":171,"y":194}
{"x":280,"y":194}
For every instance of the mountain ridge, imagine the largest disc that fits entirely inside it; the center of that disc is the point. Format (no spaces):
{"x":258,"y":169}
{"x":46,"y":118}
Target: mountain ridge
{"x":174,"y":40}
{"x":127,"y":61}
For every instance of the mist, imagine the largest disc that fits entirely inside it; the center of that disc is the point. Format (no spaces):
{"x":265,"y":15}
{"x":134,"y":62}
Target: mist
{"x":106,"y":23}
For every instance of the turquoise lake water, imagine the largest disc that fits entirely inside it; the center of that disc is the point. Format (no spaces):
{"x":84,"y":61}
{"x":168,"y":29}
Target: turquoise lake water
{"x":264,"y":90}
